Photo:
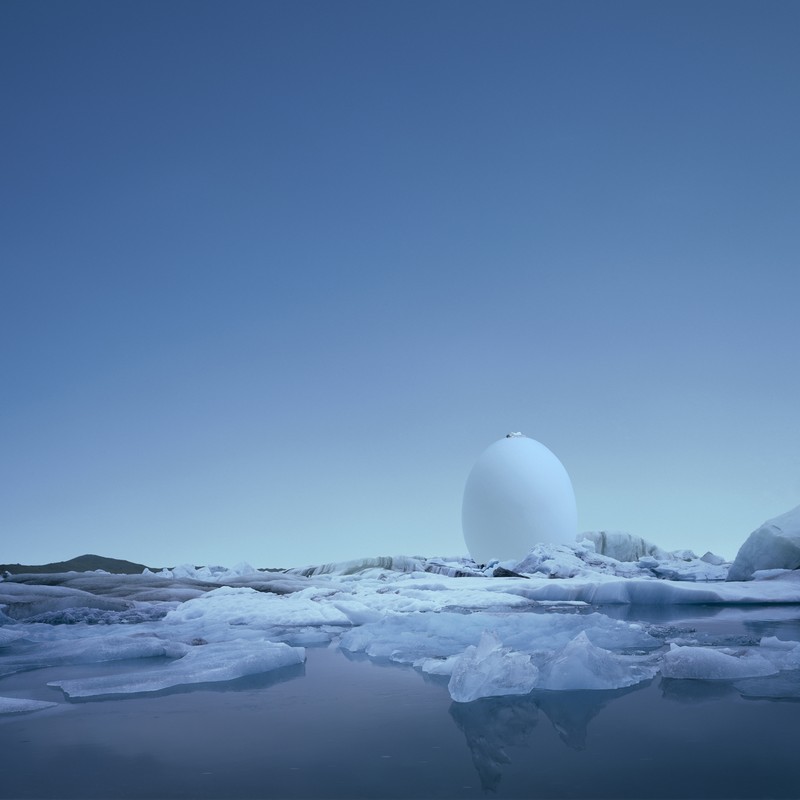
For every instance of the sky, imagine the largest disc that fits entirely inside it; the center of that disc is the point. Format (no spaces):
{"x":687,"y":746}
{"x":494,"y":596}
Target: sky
{"x":274,"y":274}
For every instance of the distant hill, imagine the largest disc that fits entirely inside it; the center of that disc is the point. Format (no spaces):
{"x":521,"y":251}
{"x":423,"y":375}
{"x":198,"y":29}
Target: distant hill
{"x":85,"y":563}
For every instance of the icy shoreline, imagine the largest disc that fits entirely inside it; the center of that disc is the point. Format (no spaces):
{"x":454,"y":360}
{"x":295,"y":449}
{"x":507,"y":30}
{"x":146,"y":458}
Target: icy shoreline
{"x":542,"y":628}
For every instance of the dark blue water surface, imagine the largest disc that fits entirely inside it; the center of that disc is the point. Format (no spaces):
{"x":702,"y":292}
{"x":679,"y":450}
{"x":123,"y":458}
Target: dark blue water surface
{"x":344,"y":727}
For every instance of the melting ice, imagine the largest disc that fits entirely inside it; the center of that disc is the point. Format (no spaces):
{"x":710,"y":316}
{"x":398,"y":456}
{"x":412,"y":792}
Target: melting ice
{"x":541,"y":624}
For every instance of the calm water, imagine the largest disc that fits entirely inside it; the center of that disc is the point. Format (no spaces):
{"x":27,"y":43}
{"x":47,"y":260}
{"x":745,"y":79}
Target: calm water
{"x":351,"y":728}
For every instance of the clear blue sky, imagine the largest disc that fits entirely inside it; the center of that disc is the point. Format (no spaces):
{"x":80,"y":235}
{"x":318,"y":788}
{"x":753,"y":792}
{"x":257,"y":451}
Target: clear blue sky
{"x":275,"y":273}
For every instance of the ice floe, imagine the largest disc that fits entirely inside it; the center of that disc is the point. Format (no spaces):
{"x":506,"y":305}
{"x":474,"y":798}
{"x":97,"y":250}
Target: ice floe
{"x":18,"y":705}
{"x":708,"y":663}
{"x":490,"y":670}
{"x":554,"y":622}
{"x":201,"y":664}
{"x":581,"y":665}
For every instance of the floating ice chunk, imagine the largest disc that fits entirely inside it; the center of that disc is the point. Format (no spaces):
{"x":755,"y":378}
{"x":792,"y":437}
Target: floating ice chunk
{"x":623,"y":546}
{"x":18,"y":705}
{"x":581,"y":665}
{"x":202,"y":664}
{"x":7,"y":636}
{"x":690,"y":569}
{"x":585,"y":560}
{"x":440,"y":597}
{"x":215,"y":613}
{"x":775,"y":545}
{"x":98,"y":616}
{"x":555,"y":561}
{"x":357,"y":612}
{"x":183,"y":571}
{"x":490,"y":670}
{"x":623,"y":555}
{"x":243,"y":568}
{"x":92,"y":647}
{"x":415,"y":637}
{"x":706,"y":663}
{"x":781,"y":654}
{"x":437,"y":666}
{"x":712,"y":558}
{"x":21,"y":601}
{"x":603,"y":589}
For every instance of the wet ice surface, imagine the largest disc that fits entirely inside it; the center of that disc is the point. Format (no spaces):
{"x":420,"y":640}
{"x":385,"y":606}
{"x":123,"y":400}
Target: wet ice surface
{"x":398,"y":655}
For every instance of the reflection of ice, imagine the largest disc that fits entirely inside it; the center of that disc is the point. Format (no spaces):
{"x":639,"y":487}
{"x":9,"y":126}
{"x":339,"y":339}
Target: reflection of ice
{"x":492,"y":725}
{"x":571,"y":712}
{"x":784,"y":686}
{"x":692,"y":692}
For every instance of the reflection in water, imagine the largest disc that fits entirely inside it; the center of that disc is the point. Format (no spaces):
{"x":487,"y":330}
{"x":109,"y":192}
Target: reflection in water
{"x":692,"y":692}
{"x":660,"y":614}
{"x":783,"y":686}
{"x":490,"y":725}
{"x":493,"y":724}
{"x":756,"y":617}
{"x":257,"y":681}
{"x":787,"y":627}
{"x":571,"y":712}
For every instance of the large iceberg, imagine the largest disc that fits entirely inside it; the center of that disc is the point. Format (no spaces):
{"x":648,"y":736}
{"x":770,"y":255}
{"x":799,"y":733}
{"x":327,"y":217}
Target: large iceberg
{"x":775,"y":545}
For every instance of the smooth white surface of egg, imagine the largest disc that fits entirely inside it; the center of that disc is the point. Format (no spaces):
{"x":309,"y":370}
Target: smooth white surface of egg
{"x":517,"y":495}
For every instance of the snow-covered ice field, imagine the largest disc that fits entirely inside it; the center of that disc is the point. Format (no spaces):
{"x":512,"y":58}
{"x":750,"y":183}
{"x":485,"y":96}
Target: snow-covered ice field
{"x":571,"y":673}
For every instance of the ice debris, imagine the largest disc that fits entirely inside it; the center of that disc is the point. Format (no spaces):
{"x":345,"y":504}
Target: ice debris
{"x":640,"y":561}
{"x":489,"y":670}
{"x":201,"y":664}
{"x":18,"y":705}
{"x":581,"y":665}
{"x":540,"y":630}
{"x":708,"y":663}
{"x":623,"y":546}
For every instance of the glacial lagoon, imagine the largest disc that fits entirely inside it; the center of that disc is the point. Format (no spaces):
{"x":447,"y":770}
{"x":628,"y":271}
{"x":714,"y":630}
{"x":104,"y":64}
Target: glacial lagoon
{"x":350,"y":727}
{"x":368,"y":710}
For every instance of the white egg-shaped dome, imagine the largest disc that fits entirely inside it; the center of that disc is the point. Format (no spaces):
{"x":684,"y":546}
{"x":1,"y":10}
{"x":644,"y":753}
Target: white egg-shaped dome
{"x":517,"y":495}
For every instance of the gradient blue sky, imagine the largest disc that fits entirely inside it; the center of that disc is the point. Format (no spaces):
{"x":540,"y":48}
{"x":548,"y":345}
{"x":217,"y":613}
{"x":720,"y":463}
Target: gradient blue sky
{"x":275,"y":273}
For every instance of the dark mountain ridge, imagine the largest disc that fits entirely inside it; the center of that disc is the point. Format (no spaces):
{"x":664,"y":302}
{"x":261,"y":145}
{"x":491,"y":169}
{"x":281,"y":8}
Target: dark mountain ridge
{"x":84,"y":563}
